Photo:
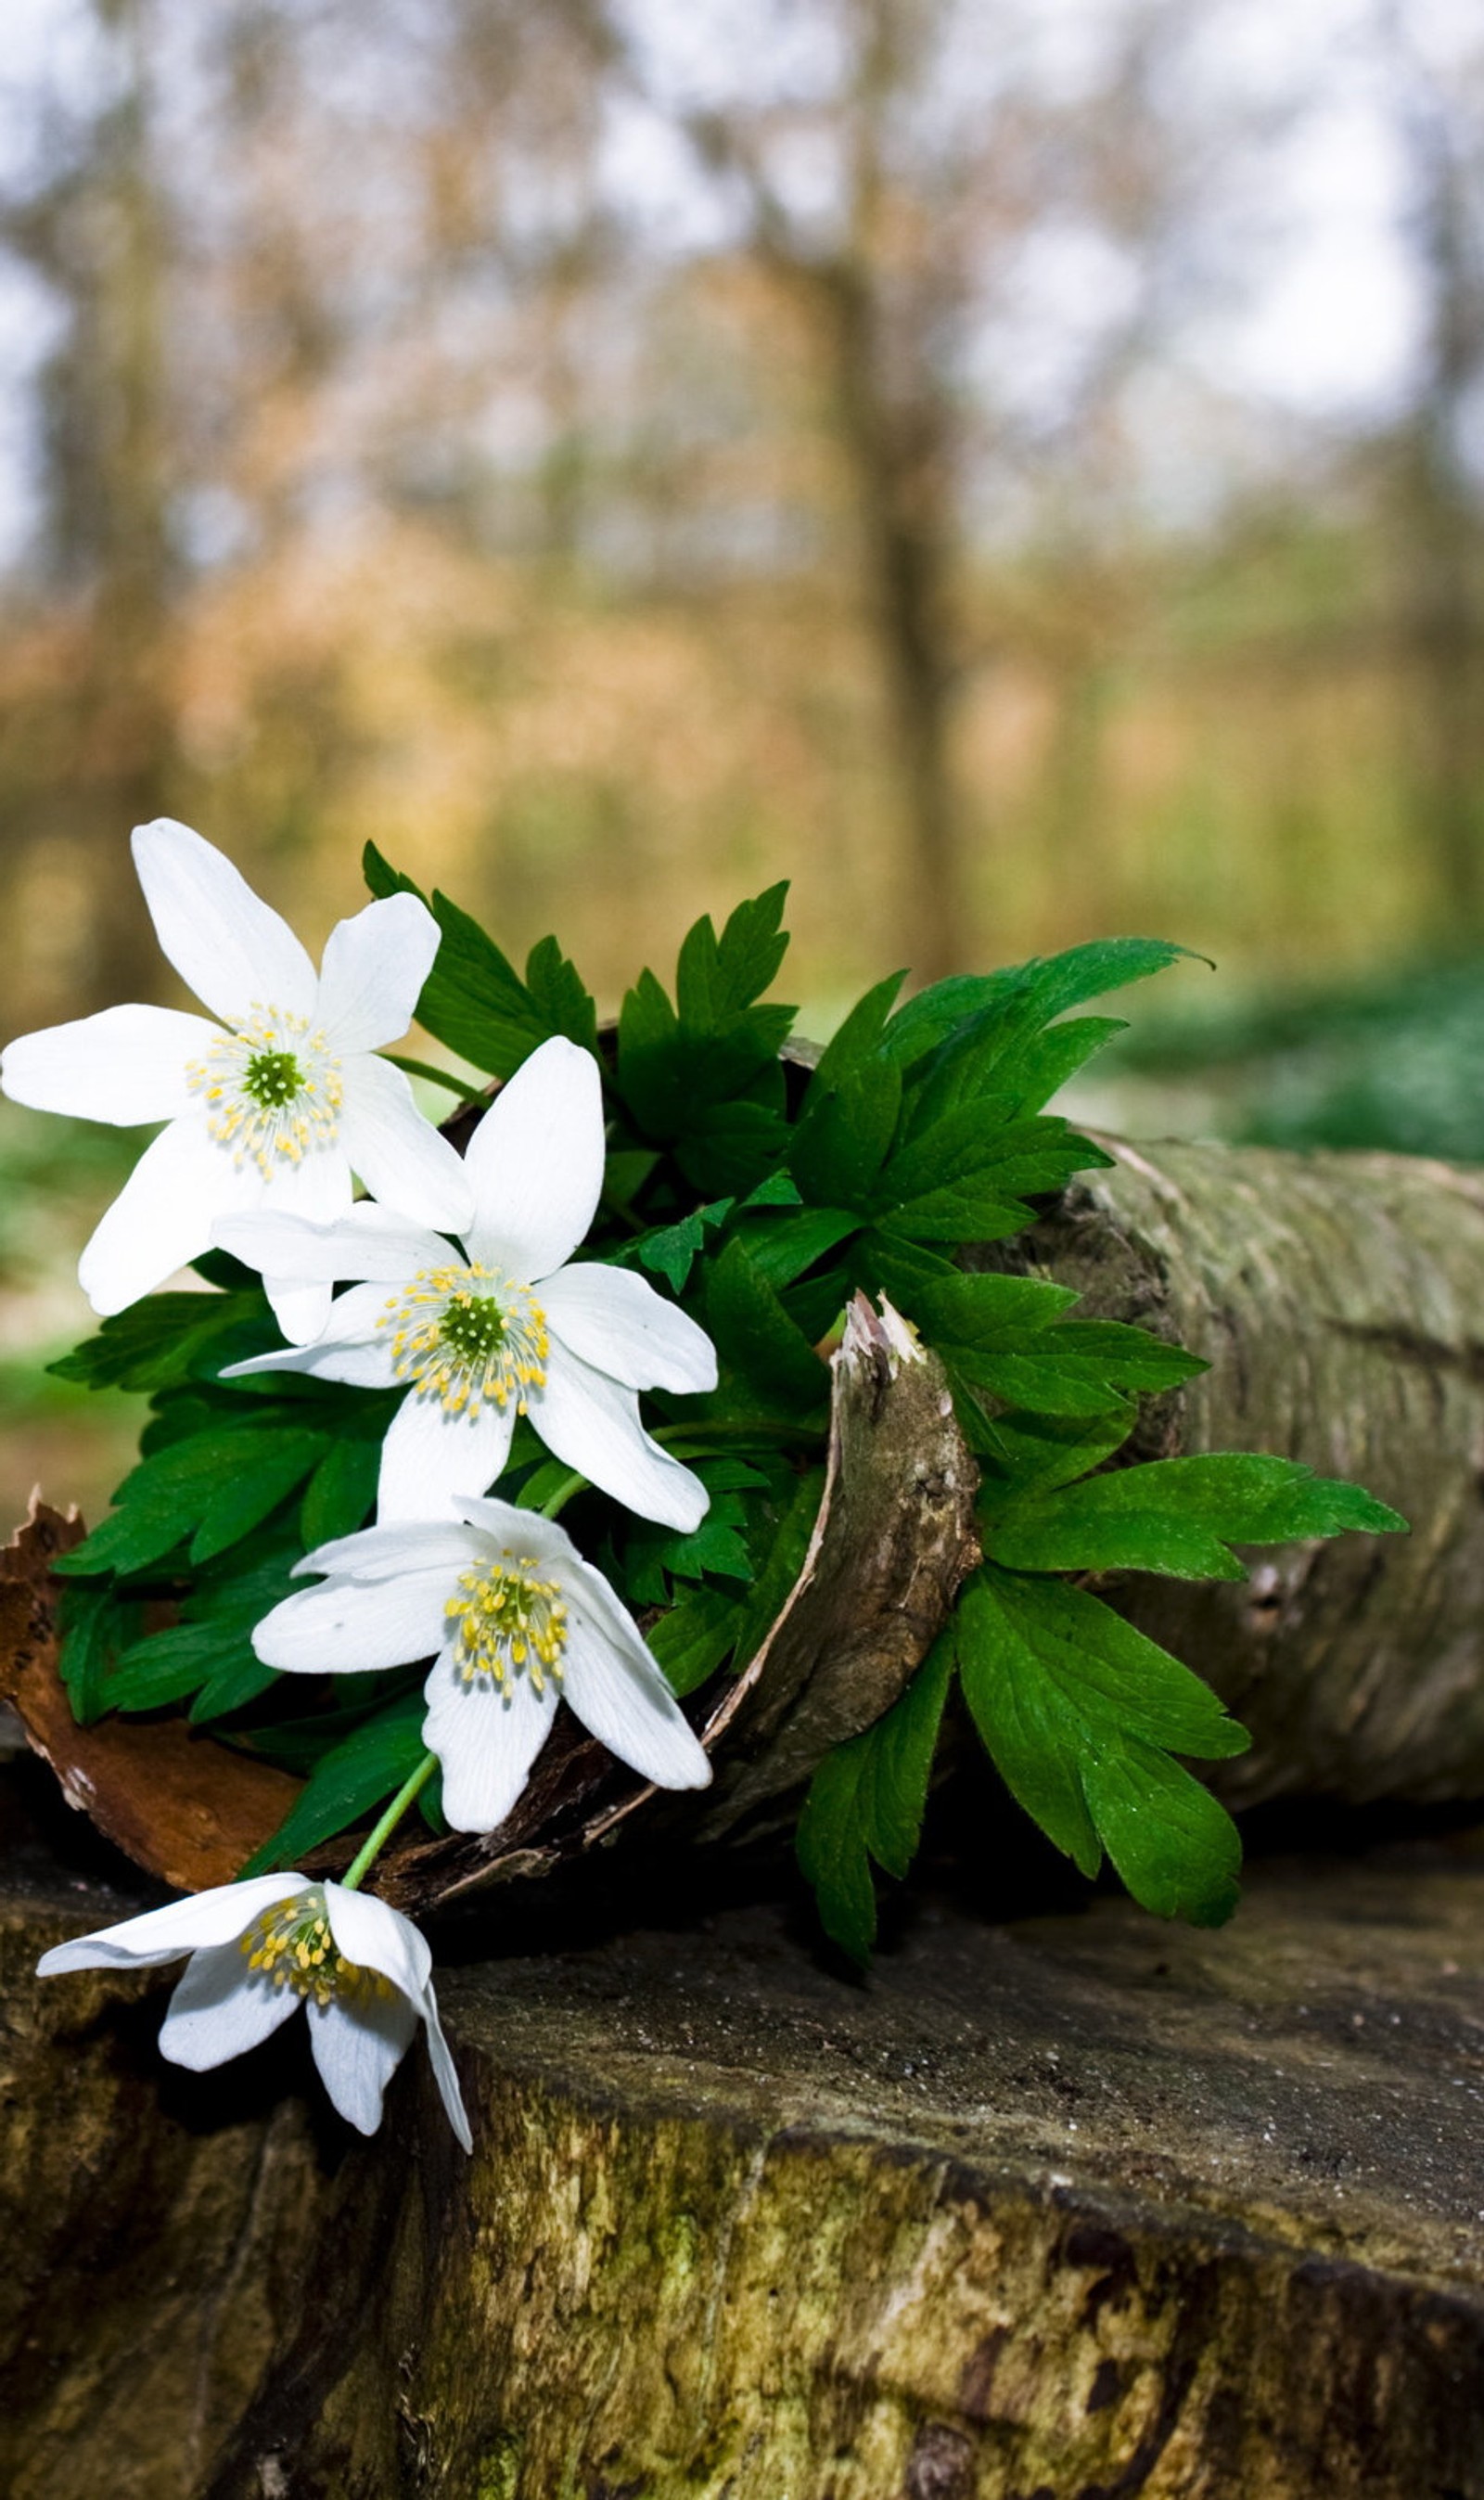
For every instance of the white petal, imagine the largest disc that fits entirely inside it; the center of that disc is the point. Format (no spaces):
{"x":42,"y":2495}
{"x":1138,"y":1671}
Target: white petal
{"x":372,"y":1934}
{"x":613,"y":1320}
{"x":593,"y":1423}
{"x":429,"y":1456}
{"x":502,"y":1523}
{"x":216,"y":1916}
{"x":125,"y":1065}
{"x":226,"y":944}
{"x":622,"y":1698}
{"x":400,"y":1155}
{"x":358,"y":2044}
{"x":164,"y":1214}
{"x":385,"y":1553}
{"x":372,"y":972}
{"x":317,"y":1190}
{"x":487,"y":1741}
{"x":347,"y":1627}
{"x":221,"y":2009}
{"x":446,"y":2074}
{"x":535,"y":1161}
{"x":371,"y":1244}
{"x":351,"y":1347}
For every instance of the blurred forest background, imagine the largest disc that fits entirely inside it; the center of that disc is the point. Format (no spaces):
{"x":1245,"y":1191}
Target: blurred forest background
{"x":1014,"y":467}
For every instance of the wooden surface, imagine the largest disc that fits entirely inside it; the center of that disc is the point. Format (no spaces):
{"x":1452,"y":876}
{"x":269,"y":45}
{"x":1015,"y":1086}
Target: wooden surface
{"x":1045,"y":2210}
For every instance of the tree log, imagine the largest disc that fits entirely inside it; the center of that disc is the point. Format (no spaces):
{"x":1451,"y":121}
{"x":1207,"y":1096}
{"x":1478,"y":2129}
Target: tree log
{"x":1339,"y":1301}
{"x":1065,"y":2208}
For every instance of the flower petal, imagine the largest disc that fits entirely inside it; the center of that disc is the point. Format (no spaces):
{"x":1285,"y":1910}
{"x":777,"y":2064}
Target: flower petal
{"x":225,"y":942}
{"x":612,"y":1319}
{"x":349,"y":1348}
{"x":215,"y":1917}
{"x":372,"y":972}
{"x":487,"y":1741}
{"x":536,"y":1162}
{"x":445,"y":2073}
{"x":372,"y":1934}
{"x":358,"y":2044}
{"x":400,"y":1155}
{"x":317,"y":1190}
{"x":622,"y":1698}
{"x":220,"y":2009}
{"x":372,"y":1244}
{"x":125,"y":1065}
{"x":430,"y":1455}
{"x":384,"y":1553}
{"x":164,"y":1214}
{"x":350,"y":1628}
{"x":592,"y":1421}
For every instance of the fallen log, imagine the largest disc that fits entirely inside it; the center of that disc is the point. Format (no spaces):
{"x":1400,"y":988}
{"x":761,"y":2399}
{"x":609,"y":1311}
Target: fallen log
{"x":1075,"y":2205}
{"x":1339,"y":1301}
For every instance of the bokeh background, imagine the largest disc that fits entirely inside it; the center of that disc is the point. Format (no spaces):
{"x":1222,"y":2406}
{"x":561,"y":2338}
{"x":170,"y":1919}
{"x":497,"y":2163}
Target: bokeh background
{"x":1014,"y":467}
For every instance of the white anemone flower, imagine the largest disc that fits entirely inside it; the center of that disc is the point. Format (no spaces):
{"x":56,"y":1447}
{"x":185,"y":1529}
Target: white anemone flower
{"x":501,"y":1325}
{"x":257,"y":1951}
{"x":512,"y":1619}
{"x":280,"y":1101}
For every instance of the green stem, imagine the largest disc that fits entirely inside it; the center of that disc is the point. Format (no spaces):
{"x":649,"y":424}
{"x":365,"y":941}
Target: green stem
{"x":568,"y":1486}
{"x":437,"y":1077}
{"x":351,"y":1881}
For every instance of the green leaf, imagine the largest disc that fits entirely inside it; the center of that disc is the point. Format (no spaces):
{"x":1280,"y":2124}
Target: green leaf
{"x":473,"y":1001}
{"x":91,"y":1624}
{"x":781,"y":1564}
{"x":165,"y":1666}
{"x":167,"y":1339}
{"x":218,"y":1485}
{"x":782,"y":1246}
{"x":1080,"y":1713}
{"x":1040,"y":990}
{"x":560,"y":996}
{"x":340,"y":1492}
{"x":716,"y":978}
{"x":695,"y":1639}
{"x":857,"y":1039}
{"x":1178,"y":1516}
{"x":867,"y":1801}
{"x":843,"y":1139}
{"x":355,"y":1776}
{"x":673,"y":1250}
{"x":755,"y":1337}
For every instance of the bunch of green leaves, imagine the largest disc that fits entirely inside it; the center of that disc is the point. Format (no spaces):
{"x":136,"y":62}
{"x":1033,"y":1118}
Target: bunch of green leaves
{"x":762,"y":1186}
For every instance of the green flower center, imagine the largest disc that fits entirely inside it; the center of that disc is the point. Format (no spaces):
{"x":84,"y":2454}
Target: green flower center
{"x":473,"y":1330}
{"x":509,"y":1620}
{"x":468,"y":1336}
{"x":290,"y":1946}
{"x":271,"y":1078}
{"x":271,"y":1092}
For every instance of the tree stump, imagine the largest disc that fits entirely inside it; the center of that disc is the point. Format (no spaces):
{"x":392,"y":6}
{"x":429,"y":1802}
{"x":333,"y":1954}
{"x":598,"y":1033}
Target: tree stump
{"x":1051,"y":2209}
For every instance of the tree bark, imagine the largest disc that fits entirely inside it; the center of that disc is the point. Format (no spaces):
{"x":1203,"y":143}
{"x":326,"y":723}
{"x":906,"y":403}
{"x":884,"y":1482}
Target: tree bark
{"x":1081,"y":2205}
{"x":1339,"y":1301}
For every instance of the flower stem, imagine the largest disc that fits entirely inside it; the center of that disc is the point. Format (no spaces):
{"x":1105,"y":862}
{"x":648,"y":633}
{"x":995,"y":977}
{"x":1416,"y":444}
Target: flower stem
{"x":568,"y":1486}
{"x":351,"y":1881}
{"x":436,"y":1076}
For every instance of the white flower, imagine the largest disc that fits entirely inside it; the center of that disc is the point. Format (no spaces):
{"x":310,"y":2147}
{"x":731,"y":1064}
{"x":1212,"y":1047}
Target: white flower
{"x":287,"y":1101}
{"x":501,"y":1326}
{"x":515,"y":1617}
{"x":257,"y":1950}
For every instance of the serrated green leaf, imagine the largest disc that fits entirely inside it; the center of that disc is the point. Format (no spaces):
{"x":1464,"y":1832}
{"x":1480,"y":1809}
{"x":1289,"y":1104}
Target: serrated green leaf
{"x":167,"y":1339}
{"x":671,"y":1251}
{"x":473,"y":1001}
{"x":842,"y":1141}
{"x":783,"y":1247}
{"x":695,"y":1639}
{"x":92,"y":1627}
{"x":857,"y":1039}
{"x":359,"y":1773}
{"x":1043,"y":988}
{"x":1178,"y":1516}
{"x":274,"y":1463}
{"x":1080,"y":1713}
{"x":560,"y":996}
{"x":867,"y":1801}
{"x":167,"y":1665}
{"x":340,"y":1492}
{"x":755,"y":1337}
